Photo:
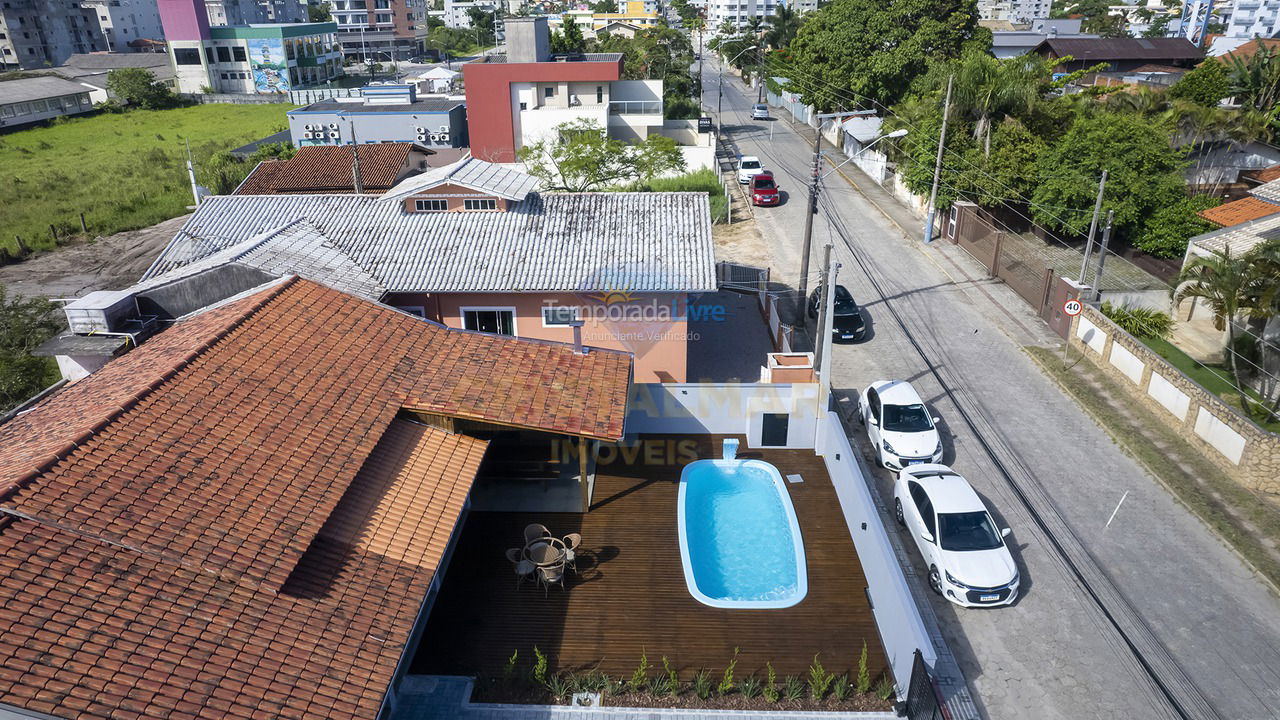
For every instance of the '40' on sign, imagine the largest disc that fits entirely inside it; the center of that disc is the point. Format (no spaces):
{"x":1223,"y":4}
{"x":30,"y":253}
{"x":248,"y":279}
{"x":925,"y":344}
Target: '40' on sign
{"x":1072,"y":307}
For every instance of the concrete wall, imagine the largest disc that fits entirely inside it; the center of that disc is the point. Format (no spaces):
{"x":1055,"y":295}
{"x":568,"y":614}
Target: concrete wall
{"x":724,"y":408}
{"x":1249,"y":454}
{"x":388,"y":125}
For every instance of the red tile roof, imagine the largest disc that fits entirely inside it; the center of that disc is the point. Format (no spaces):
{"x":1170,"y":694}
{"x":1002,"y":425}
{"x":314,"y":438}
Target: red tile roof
{"x":1239,"y":211}
{"x":1262,"y":175}
{"x":229,"y":521}
{"x":1249,"y":49}
{"x":327,"y":168}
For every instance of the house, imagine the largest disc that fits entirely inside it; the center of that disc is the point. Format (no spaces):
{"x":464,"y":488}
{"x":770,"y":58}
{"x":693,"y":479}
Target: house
{"x":382,"y":113}
{"x":330,"y":169}
{"x":1120,"y":54}
{"x":1245,"y":223}
{"x":1237,"y":212}
{"x":521,"y":98}
{"x":250,"y":513}
{"x":92,"y":69}
{"x":264,"y":59}
{"x":473,"y":246}
{"x":45,"y":97}
{"x":1220,"y":166}
{"x":439,"y":80}
{"x":618,"y":28}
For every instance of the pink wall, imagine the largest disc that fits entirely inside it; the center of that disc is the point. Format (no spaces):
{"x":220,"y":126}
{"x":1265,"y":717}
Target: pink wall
{"x":658,"y":340}
{"x":184,"y":19}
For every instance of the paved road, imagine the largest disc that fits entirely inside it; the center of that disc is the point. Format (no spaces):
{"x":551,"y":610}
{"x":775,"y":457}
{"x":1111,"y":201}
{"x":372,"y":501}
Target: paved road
{"x":1054,"y":654}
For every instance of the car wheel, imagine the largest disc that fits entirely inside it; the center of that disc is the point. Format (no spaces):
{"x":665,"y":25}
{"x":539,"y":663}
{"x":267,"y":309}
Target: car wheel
{"x":935,"y":579}
{"x":897,"y":512}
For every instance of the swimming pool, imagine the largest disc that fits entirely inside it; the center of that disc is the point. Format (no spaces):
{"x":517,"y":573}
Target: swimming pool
{"x":739,"y":540}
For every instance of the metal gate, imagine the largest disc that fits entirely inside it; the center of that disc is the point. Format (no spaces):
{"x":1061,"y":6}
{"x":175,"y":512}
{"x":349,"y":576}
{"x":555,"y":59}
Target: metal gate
{"x":1059,"y":293}
{"x":742,"y":277}
{"x":922,"y":694}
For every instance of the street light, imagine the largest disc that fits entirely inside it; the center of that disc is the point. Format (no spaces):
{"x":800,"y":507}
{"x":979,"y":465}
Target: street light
{"x":720,"y":84}
{"x":895,"y":134}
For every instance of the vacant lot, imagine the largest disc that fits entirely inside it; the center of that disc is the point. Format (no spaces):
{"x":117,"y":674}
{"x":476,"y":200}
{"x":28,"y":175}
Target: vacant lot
{"x":122,"y":171}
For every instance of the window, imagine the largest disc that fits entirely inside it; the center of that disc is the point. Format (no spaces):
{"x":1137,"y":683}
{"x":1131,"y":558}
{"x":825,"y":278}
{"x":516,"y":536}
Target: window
{"x":773,"y":429}
{"x":382,"y":4}
{"x":7,"y":111}
{"x":480,"y":204}
{"x":208,"y":55}
{"x":523,"y":106}
{"x":599,"y":94}
{"x":224,"y":76}
{"x":430,"y":205}
{"x":414,"y":310}
{"x":383,"y":17}
{"x":237,"y":52}
{"x":559,"y":315}
{"x":186,"y":56}
{"x":549,"y":92}
{"x":224,"y":54}
{"x":499,"y":321}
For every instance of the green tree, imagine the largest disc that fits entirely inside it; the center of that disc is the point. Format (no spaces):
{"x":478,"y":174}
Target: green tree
{"x":24,"y":324}
{"x":1166,"y":232}
{"x":450,"y":41}
{"x":1228,"y":284}
{"x":604,"y":6}
{"x":584,"y":158}
{"x":482,"y":23}
{"x":433,"y":22}
{"x":568,"y":40}
{"x":783,"y":27}
{"x":869,"y":51}
{"x":1143,"y":172}
{"x":138,"y":87}
{"x":1255,"y":81}
{"x":319,"y":13}
{"x":1206,"y":85}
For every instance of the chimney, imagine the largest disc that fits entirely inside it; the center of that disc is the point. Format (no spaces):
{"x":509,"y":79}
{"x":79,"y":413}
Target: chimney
{"x":528,"y":39}
{"x":577,"y":338}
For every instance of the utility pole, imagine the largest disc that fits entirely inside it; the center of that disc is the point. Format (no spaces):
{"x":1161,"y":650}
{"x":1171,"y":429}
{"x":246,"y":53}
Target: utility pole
{"x":1093,"y":227}
{"x":825,"y":294}
{"x":1102,"y":256}
{"x":937,"y":167}
{"x":812,"y":209}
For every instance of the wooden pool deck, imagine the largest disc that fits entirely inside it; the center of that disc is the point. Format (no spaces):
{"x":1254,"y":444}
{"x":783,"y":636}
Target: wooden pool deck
{"x":630,"y":595}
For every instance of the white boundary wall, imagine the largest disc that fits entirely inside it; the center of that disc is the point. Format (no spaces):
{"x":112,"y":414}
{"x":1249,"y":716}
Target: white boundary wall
{"x":723,"y":408}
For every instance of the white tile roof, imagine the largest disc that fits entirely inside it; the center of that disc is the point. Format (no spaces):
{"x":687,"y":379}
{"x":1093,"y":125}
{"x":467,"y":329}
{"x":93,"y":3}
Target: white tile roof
{"x":1268,"y":191}
{"x":548,"y":242}
{"x":472,"y":173}
{"x":1239,"y":239}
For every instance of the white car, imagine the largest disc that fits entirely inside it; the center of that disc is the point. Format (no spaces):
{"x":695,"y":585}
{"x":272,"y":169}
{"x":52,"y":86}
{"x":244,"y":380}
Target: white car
{"x":748,"y":167}
{"x":899,"y":425}
{"x":969,"y":563}
{"x":760,"y":112}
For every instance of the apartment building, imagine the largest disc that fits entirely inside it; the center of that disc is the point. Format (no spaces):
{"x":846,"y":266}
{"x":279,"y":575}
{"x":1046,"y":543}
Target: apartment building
{"x":41,"y":33}
{"x":122,"y":22}
{"x":1253,"y":18}
{"x":381,"y":29}
{"x":249,"y":12}
{"x":738,"y":12}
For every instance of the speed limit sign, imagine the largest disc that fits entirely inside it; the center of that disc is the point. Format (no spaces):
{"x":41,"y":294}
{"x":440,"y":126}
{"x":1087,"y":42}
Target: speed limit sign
{"x":1072,"y":307}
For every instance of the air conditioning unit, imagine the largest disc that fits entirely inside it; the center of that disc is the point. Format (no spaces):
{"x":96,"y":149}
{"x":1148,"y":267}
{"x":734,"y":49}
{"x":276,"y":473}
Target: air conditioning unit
{"x":335,"y":135}
{"x":444,"y":137}
{"x":444,"y":129}
{"x":420,"y":131}
{"x":306,"y":135}
{"x":307,"y":127}
{"x":422,"y":138}
{"x":333,"y":126}
{"x":435,"y":137}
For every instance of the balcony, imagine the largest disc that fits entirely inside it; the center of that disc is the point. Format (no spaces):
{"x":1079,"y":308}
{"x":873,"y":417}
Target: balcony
{"x":635,"y":107}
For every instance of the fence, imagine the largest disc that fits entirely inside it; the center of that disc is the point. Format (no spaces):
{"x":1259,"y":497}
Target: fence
{"x":922,"y":694}
{"x":1249,"y":454}
{"x":295,"y":97}
{"x":755,"y":280}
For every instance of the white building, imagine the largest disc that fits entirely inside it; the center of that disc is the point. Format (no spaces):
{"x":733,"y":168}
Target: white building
{"x":1253,"y":18}
{"x":1015,"y":11}
{"x":123,"y":21}
{"x":738,"y":12}
{"x":456,"y":15}
{"x":650,"y":6}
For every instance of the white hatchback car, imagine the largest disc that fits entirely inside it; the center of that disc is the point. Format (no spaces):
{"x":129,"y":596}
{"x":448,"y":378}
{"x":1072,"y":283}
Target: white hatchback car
{"x":748,"y":167}
{"x":969,"y":563}
{"x":899,"y":425}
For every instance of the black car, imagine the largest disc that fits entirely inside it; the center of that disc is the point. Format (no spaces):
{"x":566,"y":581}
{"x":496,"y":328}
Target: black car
{"x":847,"y":323}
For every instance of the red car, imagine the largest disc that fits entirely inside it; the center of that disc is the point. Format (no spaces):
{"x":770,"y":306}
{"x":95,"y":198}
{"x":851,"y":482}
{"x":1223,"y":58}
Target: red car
{"x":764,"y":191}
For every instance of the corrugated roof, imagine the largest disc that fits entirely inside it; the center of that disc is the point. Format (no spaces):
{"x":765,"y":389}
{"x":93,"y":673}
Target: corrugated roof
{"x":1240,"y":239}
{"x":472,"y":173}
{"x":549,"y":242}
{"x":1239,"y":211}
{"x":421,"y":105}
{"x":1268,"y":191}
{"x":1099,"y":49}
{"x":38,"y":88}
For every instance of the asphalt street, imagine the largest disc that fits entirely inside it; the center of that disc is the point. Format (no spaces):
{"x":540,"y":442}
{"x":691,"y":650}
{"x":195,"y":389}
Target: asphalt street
{"x":1155,"y":587}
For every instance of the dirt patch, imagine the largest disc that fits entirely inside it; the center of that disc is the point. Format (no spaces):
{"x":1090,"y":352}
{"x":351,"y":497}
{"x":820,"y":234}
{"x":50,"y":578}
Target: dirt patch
{"x":741,"y":242}
{"x":105,"y":263}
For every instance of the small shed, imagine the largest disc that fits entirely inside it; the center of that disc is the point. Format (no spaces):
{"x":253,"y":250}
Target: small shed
{"x":439,"y":79}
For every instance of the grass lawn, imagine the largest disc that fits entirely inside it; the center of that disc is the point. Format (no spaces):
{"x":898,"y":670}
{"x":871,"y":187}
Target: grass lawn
{"x":123,"y":171}
{"x":1215,"y":379}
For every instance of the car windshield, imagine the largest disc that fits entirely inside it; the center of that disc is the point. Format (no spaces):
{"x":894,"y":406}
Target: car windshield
{"x":906,"y":418}
{"x":760,"y":107}
{"x":750,"y":164}
{"x":967,"y":531}
{"x":845,"y":304}
{"x":764,"y":182}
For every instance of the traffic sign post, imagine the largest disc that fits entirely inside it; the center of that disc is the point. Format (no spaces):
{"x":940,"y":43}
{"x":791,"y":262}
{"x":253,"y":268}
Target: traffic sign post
{"x":1072,"y":308}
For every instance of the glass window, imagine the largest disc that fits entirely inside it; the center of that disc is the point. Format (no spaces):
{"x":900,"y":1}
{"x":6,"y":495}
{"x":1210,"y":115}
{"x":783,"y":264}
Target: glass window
{"x":555,"y":315}
{"x":208,"y":55}
{"x":186,"y":56}
{"x":383,"y":17}
{"x":968,"y":531}
{"x":907,"y":418}
{"x":549,"y":92}
{"x":430,"y":205}
{"x":22,"y":109}
{"x":491,"y":320}
{"x":599,"y":94}
{"x":6,"y":111}
{"x":224,"y":54}
{"x":480,"y":204}
{"x":238,"y":53}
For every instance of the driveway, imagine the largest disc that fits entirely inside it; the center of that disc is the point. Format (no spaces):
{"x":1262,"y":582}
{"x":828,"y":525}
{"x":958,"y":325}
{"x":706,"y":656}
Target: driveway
{"x":1149,"y":617}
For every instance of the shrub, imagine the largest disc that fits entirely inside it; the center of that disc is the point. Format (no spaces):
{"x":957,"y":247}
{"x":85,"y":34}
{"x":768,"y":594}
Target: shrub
{"x":702,"y":684}
{"x":770,"y":689}
{"x":726,"y":683}
{"x":1140,"y":322}
{"x":749,"y":687}
{"x":559,"y":686}
{"x":704,"y":180}
{"x":885,"y":688}
{"x":673,"y":678}
{"x":539,"y":670}
{"x":864,"y":675}
{"x":614,"y":686}
{"x":840,"y":688}
{"x":509,"y":668}
{"x":819,"y":679}
{"x":640,"y":676}
{"x":793,"y":688}
{"x":592,"y":681}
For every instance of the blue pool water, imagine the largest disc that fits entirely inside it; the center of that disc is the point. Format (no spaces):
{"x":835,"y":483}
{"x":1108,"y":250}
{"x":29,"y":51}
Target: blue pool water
{"x":739,"y":540}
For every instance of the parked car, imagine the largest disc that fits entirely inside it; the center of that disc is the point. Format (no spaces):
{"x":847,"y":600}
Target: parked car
{"x":748,"y":166}
{"x":969,"y":563}
{"x":759,"y":111}
{"x":764,"y":189}
{"x":899,"y":425}
{"x":847,"y":322}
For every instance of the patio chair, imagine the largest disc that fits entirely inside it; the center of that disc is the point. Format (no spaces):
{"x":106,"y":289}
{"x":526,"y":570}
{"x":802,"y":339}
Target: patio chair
{"x":524,"y":571}
{"x":533,"y":531}
{"x":571,"y":543}
{"x":548,"y":576}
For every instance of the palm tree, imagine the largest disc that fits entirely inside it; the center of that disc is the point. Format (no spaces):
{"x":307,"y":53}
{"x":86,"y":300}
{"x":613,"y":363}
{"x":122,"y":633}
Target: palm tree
{"x":783,"y":27}
{"x":988,"y":89}
{"x":1229,"y":285}
{"x":1256,"y":81}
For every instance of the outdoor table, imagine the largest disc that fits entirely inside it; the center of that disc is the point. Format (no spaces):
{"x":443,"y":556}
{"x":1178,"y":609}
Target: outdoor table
{"x":545,"y":551}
